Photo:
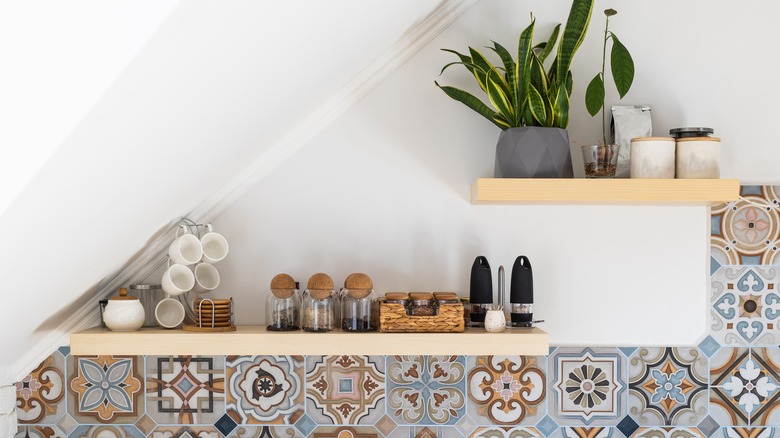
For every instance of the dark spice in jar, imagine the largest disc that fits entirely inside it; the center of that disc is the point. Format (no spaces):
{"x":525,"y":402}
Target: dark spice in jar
{"x":317,"y":319}
{"x":284,"y":321}
{"x":422,"y":304}
{"x":356,"y":325}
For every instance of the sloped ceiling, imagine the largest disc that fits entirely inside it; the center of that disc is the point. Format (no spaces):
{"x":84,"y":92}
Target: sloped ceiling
{"x":139,"y":124}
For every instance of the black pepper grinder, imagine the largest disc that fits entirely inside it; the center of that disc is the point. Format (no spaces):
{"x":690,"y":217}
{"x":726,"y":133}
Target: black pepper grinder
{"x":481,"y":292}
{"x":521,"y":295}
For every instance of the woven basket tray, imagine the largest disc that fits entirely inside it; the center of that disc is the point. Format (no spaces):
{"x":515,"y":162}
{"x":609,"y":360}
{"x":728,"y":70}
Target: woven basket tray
{"x":393,"y":318}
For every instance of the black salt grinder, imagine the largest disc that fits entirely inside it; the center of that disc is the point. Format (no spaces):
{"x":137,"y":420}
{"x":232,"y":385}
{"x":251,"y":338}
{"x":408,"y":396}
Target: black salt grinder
{"x":481,"y":293}
{"x":521,"y":295}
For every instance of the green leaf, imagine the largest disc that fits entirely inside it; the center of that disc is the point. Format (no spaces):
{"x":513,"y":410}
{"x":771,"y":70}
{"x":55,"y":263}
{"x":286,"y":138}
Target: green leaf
{"x":470,"y":101}
{"x":610,"y":12}
{"x":561,"y":108}
{"x":548,"y":46}
{"x":497,"y":93}
{"x":573,"y":34}
{"x":501,"y":122}
{"x":483,"y":65}
{"x":523,"y":67}
{"x":536,"y":102}
{"x":622,"y":66}
{"x":594,"y":95}
{"x":511,"y":72}
{"x":569,"y":83}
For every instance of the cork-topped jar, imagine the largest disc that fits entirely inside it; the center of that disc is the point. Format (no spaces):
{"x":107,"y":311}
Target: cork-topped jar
{"x":283,"y":304}
{"x":318,"y":304}
{"x":359,"y":310}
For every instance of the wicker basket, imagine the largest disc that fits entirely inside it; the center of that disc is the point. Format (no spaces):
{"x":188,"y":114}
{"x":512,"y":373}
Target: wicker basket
{"x":393,"y":318}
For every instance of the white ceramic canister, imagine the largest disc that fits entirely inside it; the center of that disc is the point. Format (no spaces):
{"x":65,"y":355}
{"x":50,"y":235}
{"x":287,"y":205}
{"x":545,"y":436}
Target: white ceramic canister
{"x":698,"y":157}
{"x":124,"y":313}
{"x":652,"y":157}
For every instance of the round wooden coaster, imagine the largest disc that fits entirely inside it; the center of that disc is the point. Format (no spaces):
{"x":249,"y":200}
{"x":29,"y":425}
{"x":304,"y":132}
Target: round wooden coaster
{"x":216,"y":324}
{"x":207,"y":320}
{"x":215,"y":302}
{"x":195,"y":328}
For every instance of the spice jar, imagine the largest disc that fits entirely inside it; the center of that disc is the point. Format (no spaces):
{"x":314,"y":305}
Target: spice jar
{"x":149,"y":295}
{"x":283,"y":304}
{"x":124,"y":313}
{"x":318,"y":306}
{"x":357,"y":304}
{"x":422,"y":304}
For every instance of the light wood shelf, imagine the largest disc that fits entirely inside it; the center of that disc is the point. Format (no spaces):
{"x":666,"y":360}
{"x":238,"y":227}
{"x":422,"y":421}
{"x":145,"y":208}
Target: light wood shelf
{"x":607,"y":191}
{"x":256,"y":340}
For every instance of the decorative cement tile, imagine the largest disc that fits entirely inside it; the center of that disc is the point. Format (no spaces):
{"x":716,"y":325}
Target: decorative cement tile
{"x":587,"y":386}
{"x":385,"y":425}
{"x":747,"y":233}
{"x":749,"y":432}
{"x":708,"y":426}
{"x":185,"y":432}
{"x":426,"y":432}
{"x":40,"y":396}
{"x":506,"y":390}
{"x":105,"y":389}
{"x":345,"y":389}
{"x":586,"y":432}
{"x":668,"y":386}
{"x":265,"y":432}
{"x":39,"y":431}
{"x":107,"y":430}
{"x":745,"y":388}
{"x":225,"y":425}
{"x":346,"y":432}
{"x":548,"y":426}
{"x":264,"y":389}
{"x":745,"y":305}
{"x":426,"y":389}
{"x":506,"y":432}
{"x":668,"y":432}
{"x":145,"y":424}
{"x":185,"y":389}
{"x":627,"y":426}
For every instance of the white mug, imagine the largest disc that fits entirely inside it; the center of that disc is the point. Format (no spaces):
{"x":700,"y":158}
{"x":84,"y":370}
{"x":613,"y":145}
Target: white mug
{"x":185,"y":249}
{"x":206,"y":278}
{"x":177,"y":279}
{"x":169,"y":313}
{"x":215,"y":246}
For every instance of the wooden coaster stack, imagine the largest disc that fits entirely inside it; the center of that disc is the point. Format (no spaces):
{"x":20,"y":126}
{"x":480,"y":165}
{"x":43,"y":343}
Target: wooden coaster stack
{"x":212,"y":316}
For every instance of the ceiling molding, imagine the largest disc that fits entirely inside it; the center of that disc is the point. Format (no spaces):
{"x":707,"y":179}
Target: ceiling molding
{"x":146,"y":261}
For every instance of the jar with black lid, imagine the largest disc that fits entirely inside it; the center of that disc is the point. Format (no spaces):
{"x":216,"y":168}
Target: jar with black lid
{"x":283,"y":304}
{"x":358,"y":304}
{"x":318,"y":311}
{"x":422,"y":304}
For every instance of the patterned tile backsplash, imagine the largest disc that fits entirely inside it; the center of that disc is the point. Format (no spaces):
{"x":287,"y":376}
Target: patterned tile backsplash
{"x":726,"y":386}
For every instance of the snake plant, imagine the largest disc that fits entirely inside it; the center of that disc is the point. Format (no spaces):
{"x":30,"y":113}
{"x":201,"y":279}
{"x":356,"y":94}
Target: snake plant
{"x":522,"y":92}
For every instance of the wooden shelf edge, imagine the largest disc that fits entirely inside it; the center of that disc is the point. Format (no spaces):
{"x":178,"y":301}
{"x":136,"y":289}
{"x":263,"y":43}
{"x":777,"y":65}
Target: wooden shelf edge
{"x":256,"y":340}
{"x":619,"y":190}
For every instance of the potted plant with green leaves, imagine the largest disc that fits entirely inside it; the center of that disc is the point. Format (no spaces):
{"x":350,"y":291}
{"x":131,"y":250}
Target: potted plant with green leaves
{"x":601,"y":159}
{"x":528,"y":101}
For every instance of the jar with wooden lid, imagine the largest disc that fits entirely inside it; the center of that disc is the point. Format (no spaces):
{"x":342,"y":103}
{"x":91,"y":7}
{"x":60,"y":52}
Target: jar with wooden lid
{"x":422,"y":304}
{"x":358,"y":304}
{"x":283,"y":305}
{"x":317,"y":314}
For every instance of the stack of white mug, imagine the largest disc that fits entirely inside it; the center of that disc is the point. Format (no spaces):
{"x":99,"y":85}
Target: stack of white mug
{"x":190,"y":268}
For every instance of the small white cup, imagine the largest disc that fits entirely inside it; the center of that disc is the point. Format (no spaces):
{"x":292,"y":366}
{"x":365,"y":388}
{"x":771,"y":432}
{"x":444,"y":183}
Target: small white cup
{"x":169,"y":313}
{"x":185,"y":249}
{"x":495,"y":321}
{"x":206,"y":278}
{"x":177,"y":279}
{"x":215,"y":246}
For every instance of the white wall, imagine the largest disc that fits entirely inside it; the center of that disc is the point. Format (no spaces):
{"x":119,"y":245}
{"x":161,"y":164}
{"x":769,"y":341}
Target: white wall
{"x":385,"y":189}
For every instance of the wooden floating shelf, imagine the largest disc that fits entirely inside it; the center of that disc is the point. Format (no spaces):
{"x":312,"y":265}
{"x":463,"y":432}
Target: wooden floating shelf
{"x":618,"y":190}
{"x":256,"y":340}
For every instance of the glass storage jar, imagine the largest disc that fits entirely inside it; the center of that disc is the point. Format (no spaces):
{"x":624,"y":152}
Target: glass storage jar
{"x":358,"y":303}
{"x":317,"y":314}
{"x":422,"y":304}
{"x":283,"y":304}
{"x":149,"y":295}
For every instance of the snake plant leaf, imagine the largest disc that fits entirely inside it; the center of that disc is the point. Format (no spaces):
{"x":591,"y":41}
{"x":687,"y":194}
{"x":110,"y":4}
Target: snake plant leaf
{"x":499,"y":97}
{"x":536,"y":103}
{"x":550,"y":44}
{"x":501,"y":122}
{"x":483,"y":65}
{"x":622,"y":66}
{"x":470,"y":101}
{"x":594,"y":95}
{"x":523,"y":65}
{"x":569,"y":83}
{"x":511,"y":73}
{"x":561,"y":107}
{"x":573,"y":34}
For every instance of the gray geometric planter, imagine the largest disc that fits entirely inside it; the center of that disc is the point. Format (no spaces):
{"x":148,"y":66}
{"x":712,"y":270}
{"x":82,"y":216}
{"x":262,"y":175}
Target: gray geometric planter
{"x":533,"y":152}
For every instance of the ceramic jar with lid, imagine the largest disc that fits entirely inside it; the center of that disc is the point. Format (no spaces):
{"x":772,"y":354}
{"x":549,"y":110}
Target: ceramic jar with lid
{"x":124,"y":313}
{"x":358,"y":306}
{"x":317,"y":313}
{"x":283,"y":304}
